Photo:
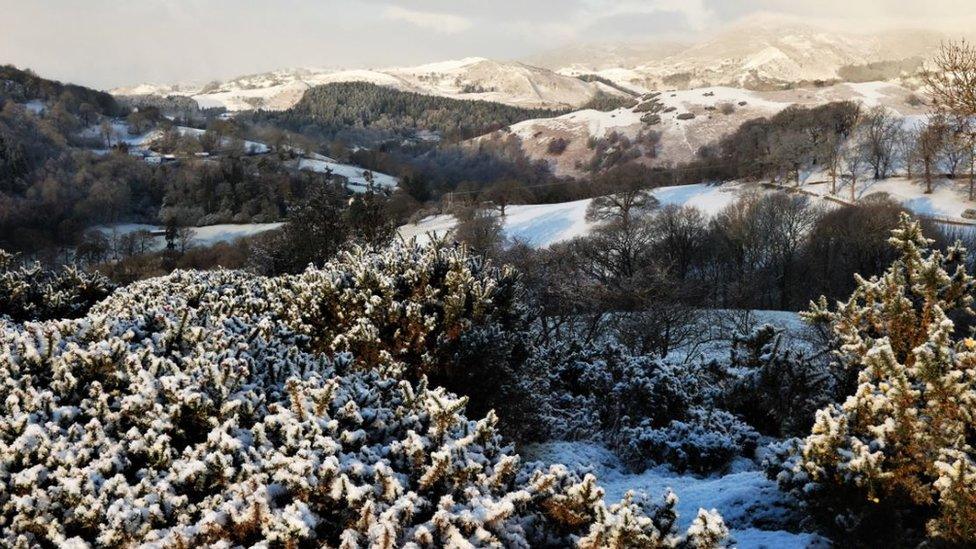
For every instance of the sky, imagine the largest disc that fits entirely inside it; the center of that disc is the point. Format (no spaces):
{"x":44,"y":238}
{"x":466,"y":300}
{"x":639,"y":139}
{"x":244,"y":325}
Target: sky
{"x":108,"y":43}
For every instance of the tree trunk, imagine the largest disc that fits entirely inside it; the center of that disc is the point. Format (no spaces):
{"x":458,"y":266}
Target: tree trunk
{"x":928,"y":178}
{"x":853,"y":187}
{"x":972,"y":176}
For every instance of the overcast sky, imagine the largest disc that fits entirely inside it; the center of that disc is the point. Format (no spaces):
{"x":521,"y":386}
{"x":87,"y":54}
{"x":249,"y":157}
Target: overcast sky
{"x":105,"y":43}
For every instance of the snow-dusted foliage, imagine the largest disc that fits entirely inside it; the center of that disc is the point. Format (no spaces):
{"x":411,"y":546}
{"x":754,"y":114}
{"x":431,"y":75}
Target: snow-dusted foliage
{"x":775,"y":389}
{"x":704,"y":440}
{"x":896,"y":458}
{"x":29,"y":292}
{"x":650,"y":411}
{"x":408,"y":310}
{"x":210,"y":409}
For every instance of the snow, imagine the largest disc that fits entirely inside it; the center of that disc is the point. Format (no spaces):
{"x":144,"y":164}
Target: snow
{"x":120,"y":133}
{"x":542,"y":225}
{"x":948,"y":200}
{"x":746,"y":499}
{"x":35,"y":106}
{"x":251,"y":147}
{"x":505,"y":82}
{"x":354,"y":174}
{"x":872,"y":93}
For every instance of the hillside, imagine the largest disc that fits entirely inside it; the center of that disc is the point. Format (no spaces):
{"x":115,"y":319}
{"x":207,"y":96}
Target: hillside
{"x":475,"y":78}
{"x":332,"y":108}
{"x":760,"y":52}
{"x":685,"y":120}
{"x":23,"y":86}
{"x":542,"y":225}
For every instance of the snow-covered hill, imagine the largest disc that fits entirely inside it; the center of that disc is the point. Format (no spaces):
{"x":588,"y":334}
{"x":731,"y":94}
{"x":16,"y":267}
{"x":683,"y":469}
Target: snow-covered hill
{"x":471,"y":78}
{"x":542,"y":225}
{"x":715,"y":112}
{"x":760,"y":52}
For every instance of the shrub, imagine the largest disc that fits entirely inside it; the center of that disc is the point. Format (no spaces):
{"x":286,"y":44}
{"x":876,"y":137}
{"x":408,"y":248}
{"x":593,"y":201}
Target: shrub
{"x":557,"y":146}
{"x":685,"y":116}
{"x":775,"y":390}
{"x":651,"y":119}
{"x":195,"y":410}
{"x":706,"y":441}
{"x":895,"y":459}
{"x":650,"y":411}
{"x":32,"y":293}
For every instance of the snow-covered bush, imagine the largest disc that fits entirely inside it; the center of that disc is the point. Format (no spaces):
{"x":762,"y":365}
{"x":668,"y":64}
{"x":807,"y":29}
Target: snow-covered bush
{"x":29,"y":292}
{"x":407,"y":310}
{"x":201,"y":409}
{"x":777,"y":390}
{"x":706,"y":440}
{"x":896,"y":460}
{"x":588,"y":392}
{"x":650,"y":411}
{"x":416,"y":310}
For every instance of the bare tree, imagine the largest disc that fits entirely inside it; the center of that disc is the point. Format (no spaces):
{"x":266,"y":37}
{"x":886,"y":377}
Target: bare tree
{"x":952,"y":84}
{"x":952,"y":87}
{"x":905,"y":146}
{"x":791,"y":151}
{"x":880,"y":132}
{"x":833,"y":146}
{"x":929,"y":143}
{"x":107,"y":133}
{"x":622,"y":195}
{"x":481,"y":230}
{"x":955,"y":150}
{"x":853,"y":160}
{"x":506,"y":192}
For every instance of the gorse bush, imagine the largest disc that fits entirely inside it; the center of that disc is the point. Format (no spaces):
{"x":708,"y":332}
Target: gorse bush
{"x":648,"y":410}
{"x":775,"y":389}
{"x":29,"y":292}
{"x":213,"y":409}
{"x":897,"y":456}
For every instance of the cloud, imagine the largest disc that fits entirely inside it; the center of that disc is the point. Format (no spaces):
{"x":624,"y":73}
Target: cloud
{"x":445,"y":23}
{"x":695,"y":13}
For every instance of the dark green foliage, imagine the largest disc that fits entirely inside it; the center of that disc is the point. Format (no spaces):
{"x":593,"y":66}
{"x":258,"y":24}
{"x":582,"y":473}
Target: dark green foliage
{"x":606,"y":102}
{"x":29,"y":292}
{"x":25,"y":144}
{"x":777,"y":390}
{"x":23,"y":85}
{"x":325,"y":110}
{"x":881,"y":70}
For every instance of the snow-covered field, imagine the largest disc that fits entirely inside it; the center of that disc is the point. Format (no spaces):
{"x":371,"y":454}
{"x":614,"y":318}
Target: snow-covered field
{"x":541,"y":225}
{"x":751,"y":505}
{"x":948,"y":200}
{"x":354,"y":174}
{"x":202,"y":236}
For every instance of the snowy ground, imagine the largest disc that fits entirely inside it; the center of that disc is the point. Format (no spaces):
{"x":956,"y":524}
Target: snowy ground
{"x":202,"y":236}
{"x":948,"y":200}
{"x":541,"y":225}
{"x":751,"y":505}
{"x":354,"y":174}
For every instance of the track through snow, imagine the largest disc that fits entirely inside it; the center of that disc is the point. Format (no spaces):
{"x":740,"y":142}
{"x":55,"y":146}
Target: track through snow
{"x":751,"y":505}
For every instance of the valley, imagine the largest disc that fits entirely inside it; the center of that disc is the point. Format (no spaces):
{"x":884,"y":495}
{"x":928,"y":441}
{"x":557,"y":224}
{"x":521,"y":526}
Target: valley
{"x":594,"y":274}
